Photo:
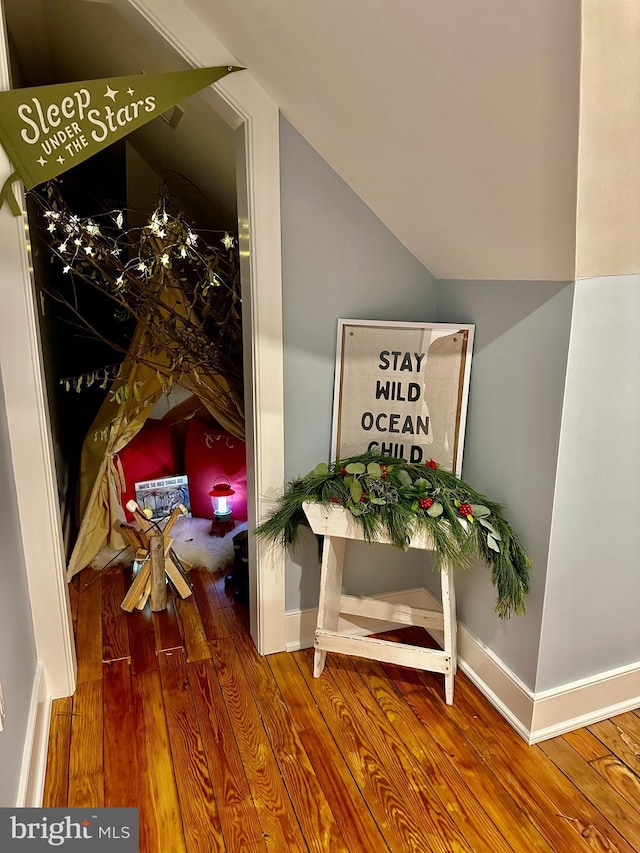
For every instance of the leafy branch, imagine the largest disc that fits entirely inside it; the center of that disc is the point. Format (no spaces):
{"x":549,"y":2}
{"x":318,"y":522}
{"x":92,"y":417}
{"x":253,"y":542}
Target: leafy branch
{"x":181,"y":288}
{"x":395,"y":499}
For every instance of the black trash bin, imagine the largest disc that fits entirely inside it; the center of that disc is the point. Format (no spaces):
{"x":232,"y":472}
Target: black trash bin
{"x":238,"y":578}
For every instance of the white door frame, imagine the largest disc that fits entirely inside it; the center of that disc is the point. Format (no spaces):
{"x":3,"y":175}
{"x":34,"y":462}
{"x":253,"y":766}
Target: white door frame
{"x":246,"y":107}
{"x":31,"y":446}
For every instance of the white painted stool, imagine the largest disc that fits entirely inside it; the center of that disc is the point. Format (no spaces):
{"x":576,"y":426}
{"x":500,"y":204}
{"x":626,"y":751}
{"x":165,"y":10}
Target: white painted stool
{"x":337,"y":525}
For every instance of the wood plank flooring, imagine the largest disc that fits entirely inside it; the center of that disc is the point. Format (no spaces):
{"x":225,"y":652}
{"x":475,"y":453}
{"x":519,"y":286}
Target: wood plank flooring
{"x":224,"y":750}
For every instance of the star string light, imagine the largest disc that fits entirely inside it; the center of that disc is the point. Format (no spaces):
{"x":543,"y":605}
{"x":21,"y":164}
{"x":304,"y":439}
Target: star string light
{"x":166,"y":275}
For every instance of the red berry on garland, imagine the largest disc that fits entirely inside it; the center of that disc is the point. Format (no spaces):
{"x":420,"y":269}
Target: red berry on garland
{"x":363,"y":498}
{"x":335,"y":500}
{"x":383,"y":471}
{"x":425,"y":503}
{"x":465,"y":509}
{"x":343,"y":471}
{"x":432,"y":464}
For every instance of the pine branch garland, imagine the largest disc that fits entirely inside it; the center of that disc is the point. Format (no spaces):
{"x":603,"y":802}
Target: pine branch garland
{"x":392,"y":498}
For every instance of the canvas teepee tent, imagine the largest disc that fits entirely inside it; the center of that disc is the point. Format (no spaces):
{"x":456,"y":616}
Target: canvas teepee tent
{"x":184,"y":294}
{"x":119,"y":419}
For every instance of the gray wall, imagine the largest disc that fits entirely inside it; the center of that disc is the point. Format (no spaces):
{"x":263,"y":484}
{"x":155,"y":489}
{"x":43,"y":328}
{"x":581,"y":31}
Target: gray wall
{"x":339,"y":261}
{"x":591,"y":622}
{"x":511,"y":444}
{"x":17,"y":645}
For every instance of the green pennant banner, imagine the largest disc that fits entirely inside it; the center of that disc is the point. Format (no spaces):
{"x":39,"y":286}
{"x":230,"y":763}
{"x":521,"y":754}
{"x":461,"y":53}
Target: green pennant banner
{"x":47,"y":130}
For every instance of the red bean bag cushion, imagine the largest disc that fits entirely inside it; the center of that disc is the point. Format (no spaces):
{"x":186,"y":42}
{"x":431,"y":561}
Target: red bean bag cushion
{"x":212,"y":453}
{"x":150,"y":454}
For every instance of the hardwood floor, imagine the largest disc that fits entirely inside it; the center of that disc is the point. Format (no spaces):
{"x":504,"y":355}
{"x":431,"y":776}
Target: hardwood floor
{"x":224,"y":750}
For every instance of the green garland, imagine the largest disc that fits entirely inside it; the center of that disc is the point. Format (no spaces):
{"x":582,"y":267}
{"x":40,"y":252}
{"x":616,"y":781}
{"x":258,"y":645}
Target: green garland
{"x":393,"y":498}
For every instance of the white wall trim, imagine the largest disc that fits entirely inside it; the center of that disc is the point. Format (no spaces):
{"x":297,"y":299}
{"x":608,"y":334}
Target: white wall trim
{"x":31,"y":445}
{"x":300,"y":625}
{"x":34,"y":756}
{"x":589,"y":700}
{"x":244,"y":104}
{"x":535,"y":716}
{"x":502,"y":687}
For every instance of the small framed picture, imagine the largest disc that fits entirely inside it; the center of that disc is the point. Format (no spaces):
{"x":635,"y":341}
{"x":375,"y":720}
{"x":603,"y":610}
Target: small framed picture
{"x":401,"y":389}
{"x":162,"y":495}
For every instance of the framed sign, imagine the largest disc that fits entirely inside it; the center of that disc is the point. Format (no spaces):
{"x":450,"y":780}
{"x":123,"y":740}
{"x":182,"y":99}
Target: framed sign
{"x":401,"y":389}
{"x":161,"y":496}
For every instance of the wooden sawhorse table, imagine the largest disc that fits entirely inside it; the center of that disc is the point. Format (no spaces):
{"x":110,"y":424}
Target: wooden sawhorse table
{"x":337,"y":525}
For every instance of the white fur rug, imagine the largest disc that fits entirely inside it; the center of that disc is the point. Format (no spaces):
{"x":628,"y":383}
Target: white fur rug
{"x":191,"y":542}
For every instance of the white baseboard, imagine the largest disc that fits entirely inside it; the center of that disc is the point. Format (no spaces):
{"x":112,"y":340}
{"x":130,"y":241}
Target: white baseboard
{"x":535,"y":716}
{"x":581,"y":703}
{"x":34,"y":757}
{"x":300,"y":625}
{"x":502,"y":687}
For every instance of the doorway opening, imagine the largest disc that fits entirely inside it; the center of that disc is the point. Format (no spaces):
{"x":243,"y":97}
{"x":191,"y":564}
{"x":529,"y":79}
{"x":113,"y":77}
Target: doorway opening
{"x":269,"y":637}
{"x":85,"y":335}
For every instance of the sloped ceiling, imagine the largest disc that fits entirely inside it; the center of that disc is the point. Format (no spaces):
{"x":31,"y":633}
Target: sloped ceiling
{"x":456,"y":122}
{"x":62,"y":40}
